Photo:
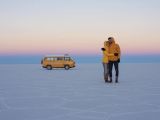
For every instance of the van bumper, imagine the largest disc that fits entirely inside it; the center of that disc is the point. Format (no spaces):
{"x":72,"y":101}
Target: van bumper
{"x":73,"y":66}
{"x":43,"y":66}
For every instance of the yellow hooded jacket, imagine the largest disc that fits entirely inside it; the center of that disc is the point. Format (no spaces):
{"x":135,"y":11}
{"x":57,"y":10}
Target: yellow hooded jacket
{"x":114,"y":48}
{"x":106,"y":54}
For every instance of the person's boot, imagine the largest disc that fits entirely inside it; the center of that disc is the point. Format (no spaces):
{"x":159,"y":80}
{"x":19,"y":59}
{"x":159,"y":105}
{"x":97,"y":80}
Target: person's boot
{"x":116,"y":79}
{"x":110,"y":80}
{"x":106,"y":78}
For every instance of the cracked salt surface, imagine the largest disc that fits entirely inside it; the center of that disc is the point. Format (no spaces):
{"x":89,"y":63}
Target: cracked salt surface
{"x":28,"y":92}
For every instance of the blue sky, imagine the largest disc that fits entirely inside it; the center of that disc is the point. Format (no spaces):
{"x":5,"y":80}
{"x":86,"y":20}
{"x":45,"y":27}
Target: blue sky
{"x":79,"y":27}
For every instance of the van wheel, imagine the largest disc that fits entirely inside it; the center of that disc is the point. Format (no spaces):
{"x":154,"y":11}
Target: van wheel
{"x":66,"y":67}
{"x":49,"y":67}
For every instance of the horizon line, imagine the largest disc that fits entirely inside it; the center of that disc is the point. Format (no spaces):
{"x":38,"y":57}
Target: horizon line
{"x":73,"y":54}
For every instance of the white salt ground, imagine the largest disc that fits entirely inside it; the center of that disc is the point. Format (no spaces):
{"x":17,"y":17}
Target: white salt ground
{"x":29,"y":92}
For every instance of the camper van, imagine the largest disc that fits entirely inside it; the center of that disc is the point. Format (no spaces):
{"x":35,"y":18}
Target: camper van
{"x":57,"y":61}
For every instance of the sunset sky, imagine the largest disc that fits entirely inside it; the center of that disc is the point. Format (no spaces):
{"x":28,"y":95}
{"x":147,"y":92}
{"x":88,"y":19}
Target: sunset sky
{"x":79,"y":27}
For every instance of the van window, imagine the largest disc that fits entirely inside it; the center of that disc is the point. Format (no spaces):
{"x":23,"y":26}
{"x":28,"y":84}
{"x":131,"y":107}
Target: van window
{"x":67,"y":58}
{"x":49,"y":59}
{"x":60,"y":58}
{"x":54,"y":58}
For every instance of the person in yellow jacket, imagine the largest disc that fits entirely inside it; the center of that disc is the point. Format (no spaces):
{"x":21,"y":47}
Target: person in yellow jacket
{"x":105,"y":60}
{"x":114,"y":60}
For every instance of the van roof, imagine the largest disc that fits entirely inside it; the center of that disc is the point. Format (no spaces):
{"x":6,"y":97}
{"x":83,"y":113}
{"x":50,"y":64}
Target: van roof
{"x":57,"y":56}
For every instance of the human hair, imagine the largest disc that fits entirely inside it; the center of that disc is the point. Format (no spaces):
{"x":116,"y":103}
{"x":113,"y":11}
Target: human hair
{"x":110,"y":38}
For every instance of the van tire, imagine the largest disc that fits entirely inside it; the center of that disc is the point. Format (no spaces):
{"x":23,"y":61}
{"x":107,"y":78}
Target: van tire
{"x":66,"y":67}
{"x":49,"y":67}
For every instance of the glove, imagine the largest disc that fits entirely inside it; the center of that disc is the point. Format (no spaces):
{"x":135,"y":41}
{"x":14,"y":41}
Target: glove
{"x":118,"y":60}
{"x":115,"y":54}
{"x":103,"y":49}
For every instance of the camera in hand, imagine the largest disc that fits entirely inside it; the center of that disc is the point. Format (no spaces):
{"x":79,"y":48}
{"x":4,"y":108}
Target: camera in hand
{"x":115,"y":54}
{"x":103,"y":49}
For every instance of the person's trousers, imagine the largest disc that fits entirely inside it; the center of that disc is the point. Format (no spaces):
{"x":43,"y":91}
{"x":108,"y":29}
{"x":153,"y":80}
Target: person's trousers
{"x":116,"y":66}
{"x":106,"y":70}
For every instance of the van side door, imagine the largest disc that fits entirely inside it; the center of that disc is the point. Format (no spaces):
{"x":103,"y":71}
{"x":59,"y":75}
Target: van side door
{"x":59,"y":63}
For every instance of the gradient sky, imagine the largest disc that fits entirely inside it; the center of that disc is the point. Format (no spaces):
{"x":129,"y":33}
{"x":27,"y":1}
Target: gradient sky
{"x":78,"y":26}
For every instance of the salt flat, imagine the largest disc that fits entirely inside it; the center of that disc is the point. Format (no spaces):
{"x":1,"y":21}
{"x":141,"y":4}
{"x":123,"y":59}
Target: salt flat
{"x":29,"y":92}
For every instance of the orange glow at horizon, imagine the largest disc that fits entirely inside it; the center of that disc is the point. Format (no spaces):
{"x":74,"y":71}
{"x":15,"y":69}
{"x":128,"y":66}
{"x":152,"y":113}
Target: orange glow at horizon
{"x":49,"y":27}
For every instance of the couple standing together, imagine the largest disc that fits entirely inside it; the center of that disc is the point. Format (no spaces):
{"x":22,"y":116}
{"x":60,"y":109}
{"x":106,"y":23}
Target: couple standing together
{"x":111,"y":56}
